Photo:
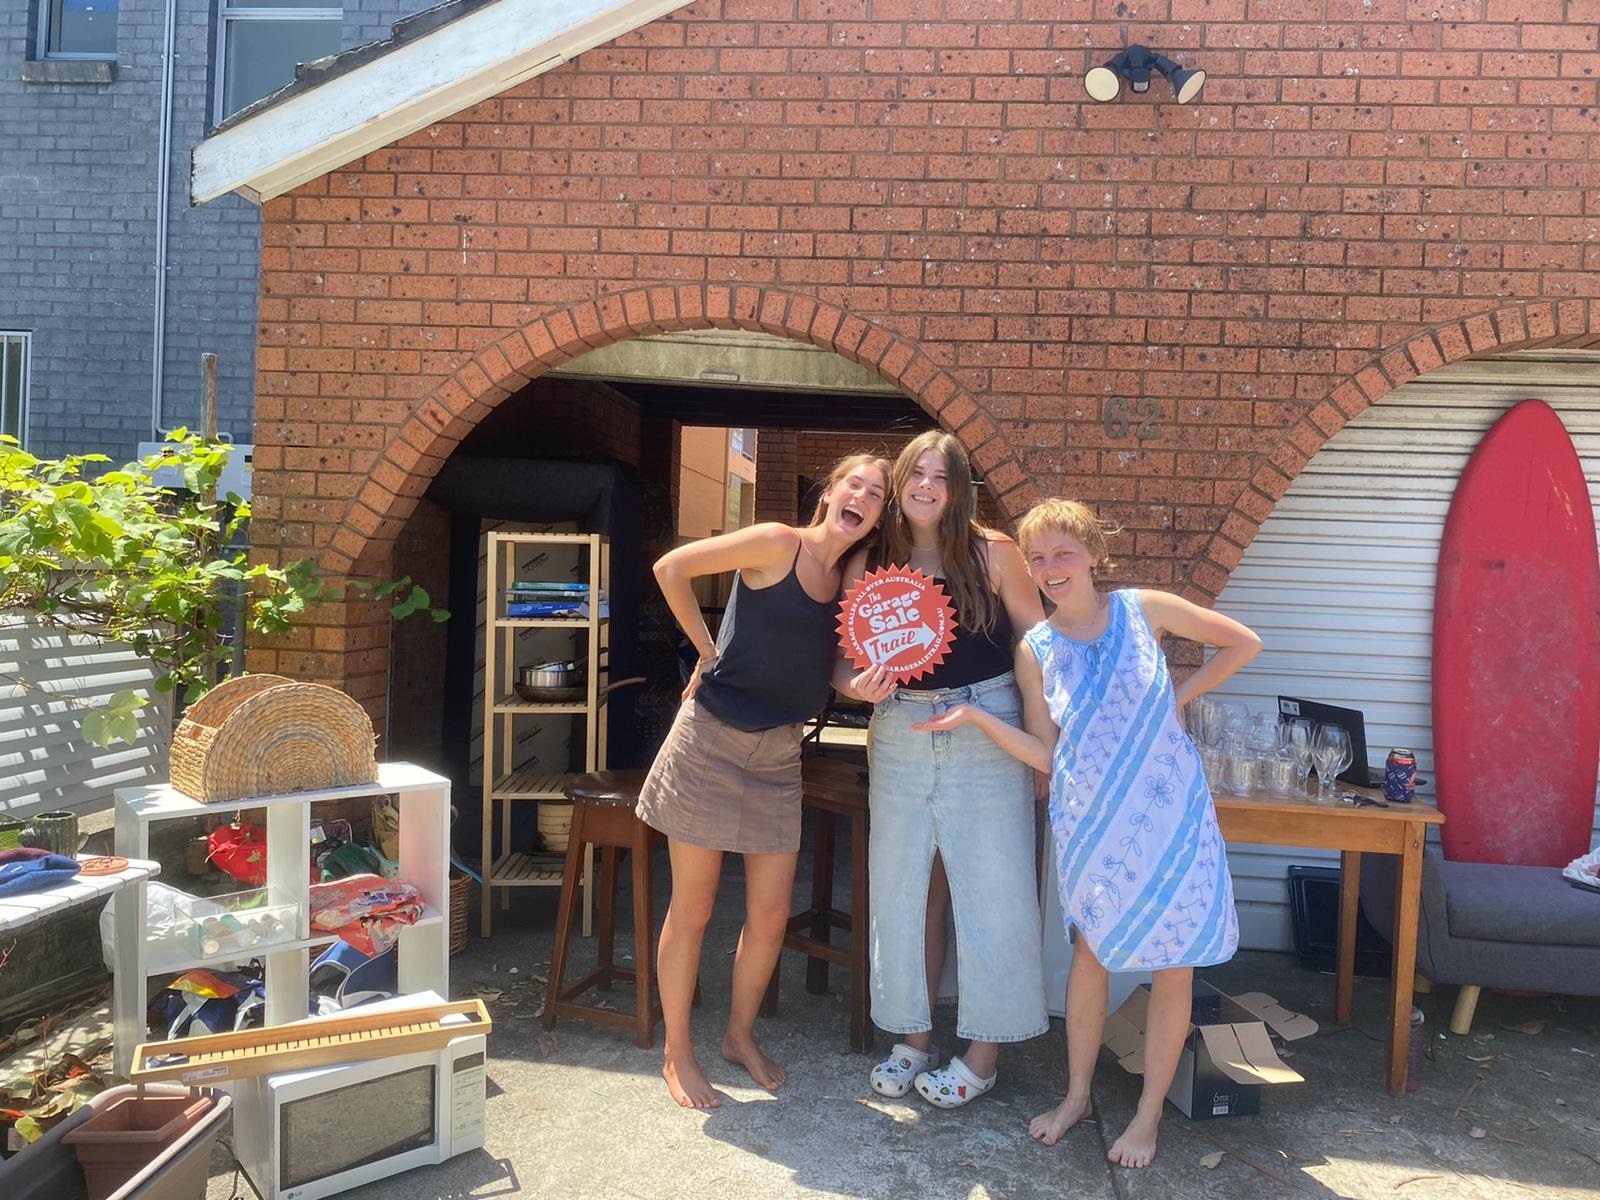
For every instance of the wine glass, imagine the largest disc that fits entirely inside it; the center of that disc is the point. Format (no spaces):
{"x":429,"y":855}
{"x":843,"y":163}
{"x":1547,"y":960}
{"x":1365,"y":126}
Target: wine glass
{"x":1294,"y":739}
{"x":1345,"y":752}
{"x":1330,"y":754}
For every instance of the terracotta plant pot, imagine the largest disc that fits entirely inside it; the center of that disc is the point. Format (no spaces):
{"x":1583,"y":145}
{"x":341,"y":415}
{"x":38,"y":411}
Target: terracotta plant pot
{"x":119,"y":1141}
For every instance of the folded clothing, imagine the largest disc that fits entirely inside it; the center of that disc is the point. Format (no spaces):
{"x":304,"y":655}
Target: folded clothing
{"x":367,"y":911}
{"x":1585,"y":871}
{"x":34,"y":874}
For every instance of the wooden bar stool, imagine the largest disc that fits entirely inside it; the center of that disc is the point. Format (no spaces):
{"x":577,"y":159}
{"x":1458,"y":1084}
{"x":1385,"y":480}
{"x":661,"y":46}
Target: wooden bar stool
{"x":834,"y":789}
{"x":603,"y":816}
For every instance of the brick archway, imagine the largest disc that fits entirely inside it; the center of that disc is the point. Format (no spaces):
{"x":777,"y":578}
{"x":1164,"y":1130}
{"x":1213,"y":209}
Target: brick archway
{"x":386,"y":498}
{"x":1521,"y":326}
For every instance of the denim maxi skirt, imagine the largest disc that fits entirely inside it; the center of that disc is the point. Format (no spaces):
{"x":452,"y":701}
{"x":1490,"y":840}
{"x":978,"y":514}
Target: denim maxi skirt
{"x":958,"y":793}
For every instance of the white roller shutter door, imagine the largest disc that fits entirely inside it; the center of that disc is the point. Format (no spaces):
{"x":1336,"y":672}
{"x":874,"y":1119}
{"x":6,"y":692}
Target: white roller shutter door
{"x":1339,"y":581}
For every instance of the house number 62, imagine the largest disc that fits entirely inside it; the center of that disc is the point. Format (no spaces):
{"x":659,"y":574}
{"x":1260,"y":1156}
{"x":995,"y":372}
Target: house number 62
{"x":1142,"y":416}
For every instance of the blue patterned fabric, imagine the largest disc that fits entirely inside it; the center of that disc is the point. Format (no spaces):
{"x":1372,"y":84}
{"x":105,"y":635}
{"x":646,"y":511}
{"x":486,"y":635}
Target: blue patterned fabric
{"x":1139,"y":859}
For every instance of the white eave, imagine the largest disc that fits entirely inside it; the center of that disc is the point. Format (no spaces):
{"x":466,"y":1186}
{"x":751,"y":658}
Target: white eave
{"x":419,"y":82}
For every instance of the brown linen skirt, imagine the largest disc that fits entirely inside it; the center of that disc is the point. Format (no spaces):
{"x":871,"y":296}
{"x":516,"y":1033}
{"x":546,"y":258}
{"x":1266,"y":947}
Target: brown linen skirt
{"x":724,"y":788}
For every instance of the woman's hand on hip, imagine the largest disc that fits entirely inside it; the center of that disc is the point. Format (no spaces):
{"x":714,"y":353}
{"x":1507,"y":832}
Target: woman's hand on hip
{"x":874,"y":685}
{"x":695,"y":677}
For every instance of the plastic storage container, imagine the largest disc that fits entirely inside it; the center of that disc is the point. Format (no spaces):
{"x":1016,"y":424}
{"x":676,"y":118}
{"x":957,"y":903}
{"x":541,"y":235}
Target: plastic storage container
{"x":222,"y":928}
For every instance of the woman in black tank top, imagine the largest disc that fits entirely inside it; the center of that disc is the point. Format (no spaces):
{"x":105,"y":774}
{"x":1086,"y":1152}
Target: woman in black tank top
{"x":727,"y":778}
{"x":951,"y":823}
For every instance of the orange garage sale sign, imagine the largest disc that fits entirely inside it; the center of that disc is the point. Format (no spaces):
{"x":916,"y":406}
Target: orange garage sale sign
{"x":897,"y":617}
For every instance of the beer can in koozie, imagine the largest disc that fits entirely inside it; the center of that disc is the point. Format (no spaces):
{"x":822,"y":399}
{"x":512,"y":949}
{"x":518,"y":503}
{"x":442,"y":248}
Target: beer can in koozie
{"x":1400,"y":777}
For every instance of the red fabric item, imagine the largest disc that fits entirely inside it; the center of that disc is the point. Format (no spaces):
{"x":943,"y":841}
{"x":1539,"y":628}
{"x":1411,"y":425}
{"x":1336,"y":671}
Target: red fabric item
{"x":367,"y":911}
{"x":241,"y":851}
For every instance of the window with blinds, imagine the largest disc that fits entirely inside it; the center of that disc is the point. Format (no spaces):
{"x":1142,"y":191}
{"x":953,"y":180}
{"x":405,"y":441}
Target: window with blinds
{"x":14,"y":349}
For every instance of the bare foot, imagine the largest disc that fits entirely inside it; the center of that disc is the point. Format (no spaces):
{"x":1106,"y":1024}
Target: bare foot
{"x":1048,"y":1127}
{"x":687,"y":1082}
{"x":1137,"y":1145}
{"x":747,"y":1054}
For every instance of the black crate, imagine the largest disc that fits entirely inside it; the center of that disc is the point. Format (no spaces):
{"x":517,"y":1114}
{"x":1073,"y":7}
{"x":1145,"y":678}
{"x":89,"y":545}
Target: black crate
{"x":1314,"y":903}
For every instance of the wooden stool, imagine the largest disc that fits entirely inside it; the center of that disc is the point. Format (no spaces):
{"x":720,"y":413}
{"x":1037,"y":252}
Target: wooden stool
{"x":603,"y":816}
{"x":833,"y":789}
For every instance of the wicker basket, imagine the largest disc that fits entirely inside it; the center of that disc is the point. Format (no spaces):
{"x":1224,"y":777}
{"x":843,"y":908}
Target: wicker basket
{"x":460,"y":891}
{"x":263,"y":735}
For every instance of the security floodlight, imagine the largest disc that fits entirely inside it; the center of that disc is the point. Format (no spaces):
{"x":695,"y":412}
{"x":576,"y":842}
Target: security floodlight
{"x":1186,"y":81}
{"x":1135,"y":64}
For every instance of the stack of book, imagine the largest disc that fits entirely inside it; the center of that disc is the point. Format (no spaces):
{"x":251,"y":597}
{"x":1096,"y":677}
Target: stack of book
{"x":533,"y":599}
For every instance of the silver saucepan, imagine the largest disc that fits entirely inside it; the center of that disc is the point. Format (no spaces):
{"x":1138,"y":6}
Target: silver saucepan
{"x":568,"y":692}
{"x":550,"y":675}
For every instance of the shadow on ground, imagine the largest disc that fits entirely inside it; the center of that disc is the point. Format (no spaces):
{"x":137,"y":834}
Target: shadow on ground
{"x":581,"y":1112}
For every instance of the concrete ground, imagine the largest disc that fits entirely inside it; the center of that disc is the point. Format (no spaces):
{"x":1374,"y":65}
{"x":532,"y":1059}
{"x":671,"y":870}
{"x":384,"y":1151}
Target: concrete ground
{"x":1511,"y":1110}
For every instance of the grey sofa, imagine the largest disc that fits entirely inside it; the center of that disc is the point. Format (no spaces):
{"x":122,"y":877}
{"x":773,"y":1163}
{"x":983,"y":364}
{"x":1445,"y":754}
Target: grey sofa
{"x":1484,"y":925}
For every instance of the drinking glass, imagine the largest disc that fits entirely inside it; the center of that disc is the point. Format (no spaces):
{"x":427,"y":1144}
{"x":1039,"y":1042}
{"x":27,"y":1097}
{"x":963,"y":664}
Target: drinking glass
{"x":1330,"y":754}
{"x":1346,"y":755}
{"x":1241,"y":773}
{"x":1294,"y":739}
{"x":1261,"y":735}
{"x":1277,"y":775}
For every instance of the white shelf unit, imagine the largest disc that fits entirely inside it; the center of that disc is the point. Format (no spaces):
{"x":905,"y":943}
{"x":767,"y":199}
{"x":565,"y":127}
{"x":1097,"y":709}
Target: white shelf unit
{"x":503,"y":784}
{"x":424,"y":957}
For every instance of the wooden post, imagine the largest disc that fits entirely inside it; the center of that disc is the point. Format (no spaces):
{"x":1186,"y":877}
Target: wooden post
{"x":208,"y":396}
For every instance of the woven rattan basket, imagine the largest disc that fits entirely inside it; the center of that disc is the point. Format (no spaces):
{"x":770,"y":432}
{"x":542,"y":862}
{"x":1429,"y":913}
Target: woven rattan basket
{"x":460,"y":893}
{"x":263,"y":735}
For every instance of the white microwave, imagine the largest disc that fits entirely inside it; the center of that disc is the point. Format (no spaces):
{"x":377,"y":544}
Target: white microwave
{"x":304,"y":1135}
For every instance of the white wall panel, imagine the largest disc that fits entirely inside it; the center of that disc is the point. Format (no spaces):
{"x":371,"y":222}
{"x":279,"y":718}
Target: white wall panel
{"x":45,"y":763}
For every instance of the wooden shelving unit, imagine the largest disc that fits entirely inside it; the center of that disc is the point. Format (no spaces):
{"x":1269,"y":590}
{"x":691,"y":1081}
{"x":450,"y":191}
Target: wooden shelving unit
{"x":504,"y":785}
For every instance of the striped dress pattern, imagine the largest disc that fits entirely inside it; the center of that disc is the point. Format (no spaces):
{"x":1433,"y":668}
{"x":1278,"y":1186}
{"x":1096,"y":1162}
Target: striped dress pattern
{"x":1139,"y":858}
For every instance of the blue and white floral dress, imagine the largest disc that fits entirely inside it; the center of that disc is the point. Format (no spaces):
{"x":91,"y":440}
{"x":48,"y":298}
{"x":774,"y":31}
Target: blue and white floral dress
{"x":1139,"y":859}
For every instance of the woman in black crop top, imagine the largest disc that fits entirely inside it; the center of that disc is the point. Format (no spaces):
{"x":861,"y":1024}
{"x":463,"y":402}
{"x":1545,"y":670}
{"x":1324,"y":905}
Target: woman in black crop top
{"x":727,"y":778}
{"x":952,"y":821}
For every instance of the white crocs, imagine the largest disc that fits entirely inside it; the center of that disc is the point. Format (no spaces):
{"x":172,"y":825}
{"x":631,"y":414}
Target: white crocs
{"x":952,"y":1086}
{"x":892,"y":1077}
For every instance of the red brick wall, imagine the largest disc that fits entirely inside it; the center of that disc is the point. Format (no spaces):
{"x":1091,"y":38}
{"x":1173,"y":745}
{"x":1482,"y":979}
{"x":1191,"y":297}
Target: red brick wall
{"x":817,"y":452}
{"x":777,"y":466}
{"x":1368,"y":188}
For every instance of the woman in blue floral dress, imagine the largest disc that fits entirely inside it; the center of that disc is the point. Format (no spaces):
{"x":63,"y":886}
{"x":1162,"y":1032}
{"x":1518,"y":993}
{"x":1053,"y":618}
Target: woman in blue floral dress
{"x":1139,"y":859}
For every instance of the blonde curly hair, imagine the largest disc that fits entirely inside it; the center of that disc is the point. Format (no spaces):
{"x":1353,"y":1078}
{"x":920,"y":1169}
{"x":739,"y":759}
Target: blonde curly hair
{"x":1073,"y":518}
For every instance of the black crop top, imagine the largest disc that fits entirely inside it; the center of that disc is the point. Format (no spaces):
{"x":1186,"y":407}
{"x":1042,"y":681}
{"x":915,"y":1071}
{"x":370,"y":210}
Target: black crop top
{"x":973,"y":656}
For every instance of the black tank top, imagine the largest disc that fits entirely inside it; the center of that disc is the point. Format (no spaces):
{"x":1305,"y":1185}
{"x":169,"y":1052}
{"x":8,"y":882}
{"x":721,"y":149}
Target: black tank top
{"x":776,"y":649}
{"x":973,"y":656}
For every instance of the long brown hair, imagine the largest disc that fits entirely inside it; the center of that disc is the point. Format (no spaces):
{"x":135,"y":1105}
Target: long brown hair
{"x":842,"y":468}
{"x":962,"y":536}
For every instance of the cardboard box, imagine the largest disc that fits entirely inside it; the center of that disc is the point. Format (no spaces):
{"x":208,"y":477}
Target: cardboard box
{"x":1228,"y":1056}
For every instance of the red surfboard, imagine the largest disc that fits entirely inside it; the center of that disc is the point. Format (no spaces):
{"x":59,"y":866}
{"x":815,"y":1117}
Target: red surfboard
{"x":1516,"y":650}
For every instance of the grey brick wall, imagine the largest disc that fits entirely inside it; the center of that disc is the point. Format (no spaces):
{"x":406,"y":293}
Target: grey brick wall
{"x":78,"y":167}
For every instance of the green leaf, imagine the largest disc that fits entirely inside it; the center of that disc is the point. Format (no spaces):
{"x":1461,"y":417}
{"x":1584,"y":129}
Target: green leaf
{"x":97,"y":728}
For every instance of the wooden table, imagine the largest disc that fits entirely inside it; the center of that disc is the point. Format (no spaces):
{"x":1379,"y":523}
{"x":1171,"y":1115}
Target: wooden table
{"x":1398,"y":829}
{"x":835,"y":790}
